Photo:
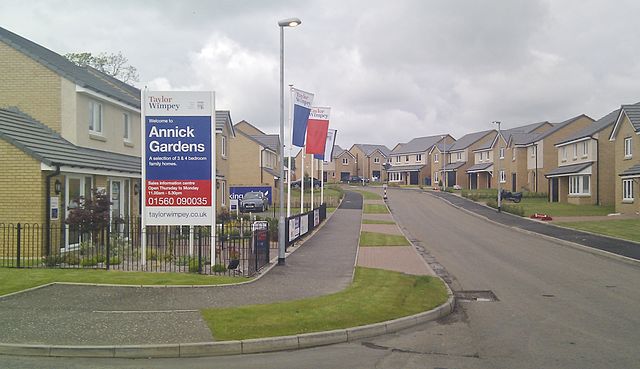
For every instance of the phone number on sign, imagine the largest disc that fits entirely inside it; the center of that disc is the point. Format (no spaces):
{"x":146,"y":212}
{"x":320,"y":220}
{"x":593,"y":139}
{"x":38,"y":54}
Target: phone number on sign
{"x":180,"y":201}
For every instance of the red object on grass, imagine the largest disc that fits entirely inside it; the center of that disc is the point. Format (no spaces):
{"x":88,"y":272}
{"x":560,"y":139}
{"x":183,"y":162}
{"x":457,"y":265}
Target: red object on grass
{"x":540,"y":216}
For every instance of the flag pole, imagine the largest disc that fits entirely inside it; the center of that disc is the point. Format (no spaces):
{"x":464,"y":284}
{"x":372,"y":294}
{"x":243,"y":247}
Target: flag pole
{"x":290,"y":147}
{"x":322,"y":182}
{"x":312,"y":177}
{"x":302,"y":181}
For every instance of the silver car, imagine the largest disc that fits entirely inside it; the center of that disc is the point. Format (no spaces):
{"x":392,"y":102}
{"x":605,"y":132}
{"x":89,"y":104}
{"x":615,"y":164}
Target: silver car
{"x":254,"y":201}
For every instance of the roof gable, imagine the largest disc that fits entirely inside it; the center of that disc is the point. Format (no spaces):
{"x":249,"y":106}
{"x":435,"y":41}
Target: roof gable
{"x":82,"y":76}
{"x":594,"y":128}
{"x":632,"y":112}
{"x":468,"y":140}
{"x":417,"y":145}
{"x":223,"y":119}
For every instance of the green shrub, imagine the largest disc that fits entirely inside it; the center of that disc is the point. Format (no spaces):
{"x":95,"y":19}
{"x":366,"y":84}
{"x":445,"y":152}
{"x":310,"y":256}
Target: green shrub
{"x":115,"y":260}
{"x":183,"y":261}
{"x":52,"y":260}
{"x":194,"y":266}
{"x":89,"y":262}
{"x":219,"y":268}
{"x":509,"y":208}
{"x":71,"y":259}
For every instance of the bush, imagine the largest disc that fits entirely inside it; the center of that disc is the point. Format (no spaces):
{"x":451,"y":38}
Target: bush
{"x":509,"y":208}
{"x":114,"y":260}
{"x":71,"y":259}
{"x":89,"y":262}
{"x":219,"y":268}
{"x":52,"y":260}
{"x":194,"y":266}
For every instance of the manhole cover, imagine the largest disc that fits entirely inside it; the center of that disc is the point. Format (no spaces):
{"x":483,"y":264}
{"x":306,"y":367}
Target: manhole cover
{"x":481,"y":296}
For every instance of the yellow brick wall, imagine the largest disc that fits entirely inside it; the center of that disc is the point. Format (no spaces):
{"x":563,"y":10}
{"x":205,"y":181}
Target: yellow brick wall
{"x":21,"y":187}
{"x":605,"y":169}
{"x":30,"y":86}
{"x":625,"y":129}
{"x":244,"y":169}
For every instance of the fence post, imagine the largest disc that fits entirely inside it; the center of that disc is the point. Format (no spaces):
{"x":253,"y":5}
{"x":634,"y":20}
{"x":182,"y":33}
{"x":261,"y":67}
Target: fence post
{"x":18,"y":244}
{"x":200,"y":250}
{"x":109,"y":244}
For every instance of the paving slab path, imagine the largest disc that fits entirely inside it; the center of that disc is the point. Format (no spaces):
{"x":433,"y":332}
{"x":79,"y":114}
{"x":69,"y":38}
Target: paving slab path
{"x":101,"y":315}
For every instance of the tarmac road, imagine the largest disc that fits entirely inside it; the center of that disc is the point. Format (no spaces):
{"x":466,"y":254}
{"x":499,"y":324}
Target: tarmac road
{"x":559,"y":307}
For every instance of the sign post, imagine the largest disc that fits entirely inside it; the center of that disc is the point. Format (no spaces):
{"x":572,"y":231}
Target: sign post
{"x":179,"y":162}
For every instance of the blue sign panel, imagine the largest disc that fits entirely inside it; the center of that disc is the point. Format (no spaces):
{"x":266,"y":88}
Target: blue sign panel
{"x":236,"y":193}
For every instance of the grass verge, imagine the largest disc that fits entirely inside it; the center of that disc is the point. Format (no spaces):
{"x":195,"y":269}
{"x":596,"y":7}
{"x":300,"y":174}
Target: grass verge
{"x":531,"y":206}
{"x":375,"y":209}
{"x":375,"y":221}
{"x":375,"y":295}
{"x":382,"y":239}
{"x":14,"y":280}
{"x":366,"y":195}
{"x":628,"y":229}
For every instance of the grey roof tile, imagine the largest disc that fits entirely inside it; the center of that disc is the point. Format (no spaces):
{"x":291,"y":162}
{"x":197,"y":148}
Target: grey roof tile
{"x":633,"y":171}
{"x":482,"y":167}
{"x":597,"y":126}
{"x":468,"y":140}
{"x":633,"y":112}
{"x":82,"y":76}
{"x":531,"y":138}
{"x":405,"y":168}
{"x":47,"y":146}
{"x":567,"y":170}
{"x":368,"y":149}
{"x":417,"y":145}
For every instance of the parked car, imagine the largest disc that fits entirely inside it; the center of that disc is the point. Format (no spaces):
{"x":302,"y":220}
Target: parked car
{"x":358,"y":179}
{"x":307,"y":183}
{"x":254,"y":201}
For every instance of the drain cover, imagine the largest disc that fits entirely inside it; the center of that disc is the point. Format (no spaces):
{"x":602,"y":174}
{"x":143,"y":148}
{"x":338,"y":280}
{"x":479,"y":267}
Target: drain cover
{"x":481,"y":296}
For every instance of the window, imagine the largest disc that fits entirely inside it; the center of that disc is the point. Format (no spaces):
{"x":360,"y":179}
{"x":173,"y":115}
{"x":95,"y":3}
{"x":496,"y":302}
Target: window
{"x":395,"y":177}
{"x":223,"y":192}
{"x":419,"y":157}
{"x":575,"y":151}
{"x":513,"y":154}
{"x":127,"y":127}
{"x":481,"y":156}
{"x":627,"y":190}
{"x":579,"y":185}
{"x":533,"y":151}
{"x":376,"y":160}
{"x":585,"y":149}
{"x":502,"y":153}
{"x":503,"y":177}
{"x":564,"y":153}
{"x":223,"y":146}
{"x":345,"y":161}
{"x":627,"y":148}
{"x":406,"y":158}
{"x":397,"y":159}
{"x":458,"y":156}
{"x":95,"y":117}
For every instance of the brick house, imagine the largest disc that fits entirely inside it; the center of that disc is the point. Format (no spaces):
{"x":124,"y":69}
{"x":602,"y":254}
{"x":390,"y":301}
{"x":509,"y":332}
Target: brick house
{"x":77,"y":113}
{"x":329,"y":167}
{"x":535,"y":153}
{"x":306,"y":166}
{"x":370,"y":160}
{"x":256,"y":159}
{"x":626,"y":138}
{"x":584,"y":174}
{"x":507,"y":162}
{"x":225,"y":134}
{"x":344,"y":165}
{"x":411,"y":163}
{"x":458,"y":157}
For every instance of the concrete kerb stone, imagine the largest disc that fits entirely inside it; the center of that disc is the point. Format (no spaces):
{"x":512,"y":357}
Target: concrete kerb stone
{"x":322,"y":338}
{"x":210,"y":348}
{"x":82,"y":351}
{"x":144,"y":351}
{"x":270,"y":344}
{"x":24,"y":350}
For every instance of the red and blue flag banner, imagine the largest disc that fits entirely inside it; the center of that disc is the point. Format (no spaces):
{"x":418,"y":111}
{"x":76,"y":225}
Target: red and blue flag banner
{"x":301,"y":101}
{"x":317,"y":127}
{"x":327,"y":155}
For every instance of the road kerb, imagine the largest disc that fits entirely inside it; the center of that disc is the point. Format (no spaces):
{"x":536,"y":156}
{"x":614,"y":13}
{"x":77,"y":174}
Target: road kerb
{"x":281,"y":343}
{"x":322,"y":338}
{"x":210,"y":348}
{"x":24,"y":350}
{"x":82,"y":351}
{"x":145,"y":351}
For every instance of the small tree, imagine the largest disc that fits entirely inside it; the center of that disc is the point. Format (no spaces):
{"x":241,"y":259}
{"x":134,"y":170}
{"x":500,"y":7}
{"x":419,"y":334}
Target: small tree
{"x":114,"y":65}
{"x":91,"y":214}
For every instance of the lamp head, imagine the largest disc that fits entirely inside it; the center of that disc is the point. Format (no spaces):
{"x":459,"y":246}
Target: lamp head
{"x":289,"y":22}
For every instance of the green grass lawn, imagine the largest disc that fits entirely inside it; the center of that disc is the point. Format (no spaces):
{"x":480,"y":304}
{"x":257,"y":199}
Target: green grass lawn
{"x":14,"y":280}
{"x":375,"y":221}
{"x":628,"y":229}
{"x":375,"y":295}
{"x":369,"y":195}
{"x":533,"y":205}
{"x":375,"y":209}
{"x":382,"y":239}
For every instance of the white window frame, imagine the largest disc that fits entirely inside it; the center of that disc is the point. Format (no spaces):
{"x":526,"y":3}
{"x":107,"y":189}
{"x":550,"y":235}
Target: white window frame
{"x":95,"y":126}
{"x":575,"y":151}
{"x":418,"y":157}
{"x":503,"y":177}
{"x":585,"y":149}
{"x":533,"y":151}
{"x":627,"y":190}
{"x":458,"y":156}
{"x":223,"y":190}
{"x":481,"y":155}
{"x":563,"y":152}
{"x":501,"y":153}
{"x":580,"y":185}
{"x":376,"y":160}
{"x":628,"y":152}
{"x":126,"y":123}
{"x":345,"y":161}
{"x":513,"y":154}
{"x":397,"y":159}
{"x":223,"y":146}
{"x":406,"y":158}
{"x":435,"y":158}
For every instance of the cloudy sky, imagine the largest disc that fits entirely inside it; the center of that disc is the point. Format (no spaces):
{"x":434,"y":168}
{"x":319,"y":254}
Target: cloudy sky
{"x":390,"y":70}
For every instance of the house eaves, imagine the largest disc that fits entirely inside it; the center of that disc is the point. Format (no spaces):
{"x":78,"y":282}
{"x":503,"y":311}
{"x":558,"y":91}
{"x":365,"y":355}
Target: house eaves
{"x":632,"y":112}
{"x":587,"y":133}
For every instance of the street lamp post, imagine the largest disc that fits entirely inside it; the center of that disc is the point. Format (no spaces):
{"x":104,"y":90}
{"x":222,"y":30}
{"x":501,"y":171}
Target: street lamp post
{"x":499,"y":179}
{"x":289,"y":22}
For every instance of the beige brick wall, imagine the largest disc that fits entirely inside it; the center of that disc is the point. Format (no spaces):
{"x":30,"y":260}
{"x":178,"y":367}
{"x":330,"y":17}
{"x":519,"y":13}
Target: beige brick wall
{"x":21,"y":187}
{"x":625,"y":129}
{"x":222,"y":167}
{"x":605,"y":168}
{"x":30,"y":86}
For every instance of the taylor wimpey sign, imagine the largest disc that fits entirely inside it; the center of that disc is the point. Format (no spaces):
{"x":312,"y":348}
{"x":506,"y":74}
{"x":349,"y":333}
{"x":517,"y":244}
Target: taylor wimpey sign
{"x":179,"y":158}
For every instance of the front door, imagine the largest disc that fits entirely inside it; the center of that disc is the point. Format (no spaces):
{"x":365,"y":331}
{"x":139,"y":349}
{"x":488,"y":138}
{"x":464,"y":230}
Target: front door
{"x":413,"y":178}
{"x":473,"y":181}
{"x":76,"y":189}
{"x":119,"y":197}
{"x":513,"y":182}
{"x":554,"y":189}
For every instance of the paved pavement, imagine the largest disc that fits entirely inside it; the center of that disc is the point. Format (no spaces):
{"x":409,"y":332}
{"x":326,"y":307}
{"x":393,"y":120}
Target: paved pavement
{"x":99,"y":315}
{"x":616,"y":246}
